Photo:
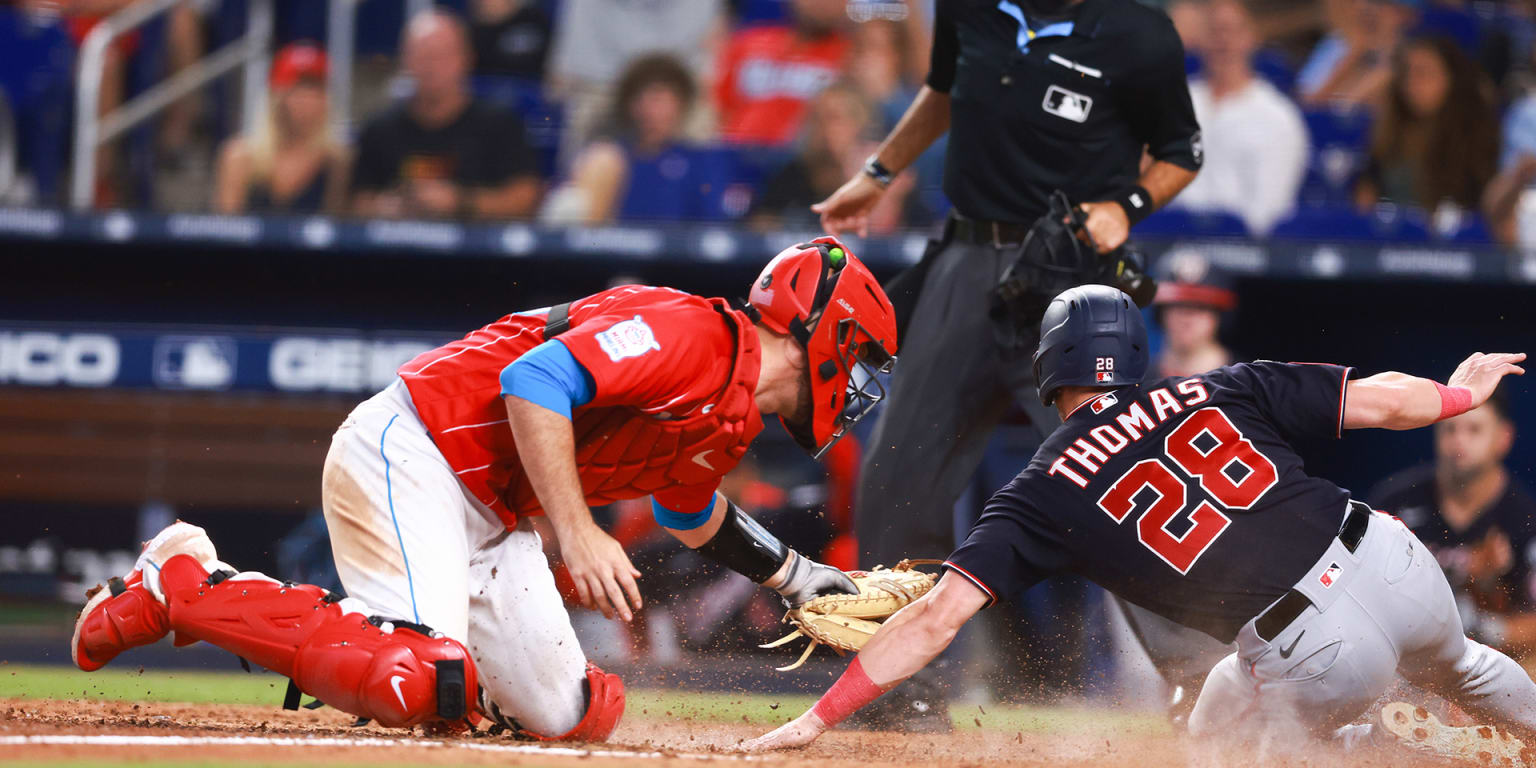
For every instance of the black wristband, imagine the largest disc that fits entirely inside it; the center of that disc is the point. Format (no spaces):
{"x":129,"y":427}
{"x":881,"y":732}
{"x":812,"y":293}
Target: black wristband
{"x":876,"y":170}
{"x":1136,"y":201}
{"x":745,"y":547}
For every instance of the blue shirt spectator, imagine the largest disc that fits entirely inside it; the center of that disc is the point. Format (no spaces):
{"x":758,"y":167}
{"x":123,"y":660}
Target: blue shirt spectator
{"x":642,"y":168}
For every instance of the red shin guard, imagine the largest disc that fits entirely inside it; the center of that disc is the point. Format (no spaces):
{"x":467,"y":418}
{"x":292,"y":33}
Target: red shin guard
{"x":398,"y":678}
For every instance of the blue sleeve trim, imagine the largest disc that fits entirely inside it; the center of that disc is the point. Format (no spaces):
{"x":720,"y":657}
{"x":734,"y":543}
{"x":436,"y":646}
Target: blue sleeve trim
{"x":549,"y":376}
{"x":682,"y":521}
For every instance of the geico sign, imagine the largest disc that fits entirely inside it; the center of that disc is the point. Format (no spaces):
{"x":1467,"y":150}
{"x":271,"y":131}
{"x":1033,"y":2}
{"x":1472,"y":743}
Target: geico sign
{"x":46,"y":359}
{"x":307,"y":364}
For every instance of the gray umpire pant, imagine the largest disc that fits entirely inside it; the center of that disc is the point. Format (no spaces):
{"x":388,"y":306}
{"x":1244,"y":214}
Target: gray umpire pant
{"x":950,"y":388}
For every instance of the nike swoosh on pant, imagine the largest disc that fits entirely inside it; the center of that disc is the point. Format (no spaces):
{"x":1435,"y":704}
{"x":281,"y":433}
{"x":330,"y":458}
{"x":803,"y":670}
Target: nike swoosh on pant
{"x":1285,"y":653}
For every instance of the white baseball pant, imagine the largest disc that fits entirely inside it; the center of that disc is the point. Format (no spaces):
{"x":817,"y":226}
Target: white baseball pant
{"x":410,"y":541}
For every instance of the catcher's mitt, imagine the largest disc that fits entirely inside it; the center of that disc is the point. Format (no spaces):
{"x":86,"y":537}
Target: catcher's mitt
{"x":846,"y":622}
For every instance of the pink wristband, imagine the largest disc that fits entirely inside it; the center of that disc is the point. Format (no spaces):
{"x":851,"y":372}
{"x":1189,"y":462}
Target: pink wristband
{"x":851,"y":691}
{"x":1454,"y":401}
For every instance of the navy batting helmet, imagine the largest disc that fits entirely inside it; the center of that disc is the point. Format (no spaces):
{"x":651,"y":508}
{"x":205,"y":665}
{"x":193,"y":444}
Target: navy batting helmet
{"x":1091,"y":336}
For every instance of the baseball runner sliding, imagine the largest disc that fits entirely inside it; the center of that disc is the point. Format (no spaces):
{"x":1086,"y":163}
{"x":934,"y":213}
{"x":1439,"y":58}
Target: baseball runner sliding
{"x":452,"y":612}
{"x":1186,"y":496}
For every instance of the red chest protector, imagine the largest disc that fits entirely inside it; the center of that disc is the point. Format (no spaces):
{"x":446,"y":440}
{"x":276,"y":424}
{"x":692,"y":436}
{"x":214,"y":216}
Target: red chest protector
{"x":622,"y":453}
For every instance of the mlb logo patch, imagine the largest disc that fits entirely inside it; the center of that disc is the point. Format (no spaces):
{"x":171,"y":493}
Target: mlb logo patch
{"x":1068,"y":105}
{"x":1330,"y":576}
{"x":1103,"y":376}
{"x":1103,"y":402}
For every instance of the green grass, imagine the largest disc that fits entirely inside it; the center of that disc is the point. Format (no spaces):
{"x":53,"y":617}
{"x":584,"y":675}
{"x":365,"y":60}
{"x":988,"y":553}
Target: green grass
{"x":266,"y":689}
{"x":38,"y":682}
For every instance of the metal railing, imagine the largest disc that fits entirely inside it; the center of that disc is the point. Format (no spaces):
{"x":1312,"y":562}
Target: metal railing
{"x":341,"y":33}
{"x":252,"y":51}
{"x":8,"y":147}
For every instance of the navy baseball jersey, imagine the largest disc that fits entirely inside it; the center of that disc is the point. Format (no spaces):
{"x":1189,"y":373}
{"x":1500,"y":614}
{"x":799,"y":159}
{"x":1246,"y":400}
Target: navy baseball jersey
{"x":1182,"y":495}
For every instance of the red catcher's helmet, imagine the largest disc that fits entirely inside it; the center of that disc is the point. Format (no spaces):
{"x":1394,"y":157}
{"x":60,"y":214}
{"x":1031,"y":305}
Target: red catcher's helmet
{"x":824,"y":297}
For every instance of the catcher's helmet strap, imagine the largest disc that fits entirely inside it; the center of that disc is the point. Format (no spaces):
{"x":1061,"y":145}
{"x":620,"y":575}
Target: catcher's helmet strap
{"x":745,"y":547}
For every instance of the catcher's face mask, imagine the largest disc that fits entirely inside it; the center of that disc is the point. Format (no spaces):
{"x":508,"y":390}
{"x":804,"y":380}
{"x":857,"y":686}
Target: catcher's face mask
{"x":845,"y":387}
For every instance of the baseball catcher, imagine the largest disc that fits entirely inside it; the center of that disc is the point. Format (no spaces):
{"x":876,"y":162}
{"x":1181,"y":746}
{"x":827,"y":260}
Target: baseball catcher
{"x":452,"y":612}
{"x":1186,"y":496}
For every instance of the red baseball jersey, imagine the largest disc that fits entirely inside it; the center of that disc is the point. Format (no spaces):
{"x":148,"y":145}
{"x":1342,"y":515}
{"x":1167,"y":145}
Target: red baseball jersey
{"x":672,"y":408}
{"x":767,"y":77}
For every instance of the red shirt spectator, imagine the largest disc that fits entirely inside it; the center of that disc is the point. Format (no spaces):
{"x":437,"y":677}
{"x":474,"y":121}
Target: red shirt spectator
{"x":767,"y":77}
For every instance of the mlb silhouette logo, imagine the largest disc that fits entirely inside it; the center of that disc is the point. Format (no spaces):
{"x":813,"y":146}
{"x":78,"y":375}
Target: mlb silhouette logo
{"x":1103,"y":402}
{"x":1103,"y":376}
{"x":1067,"y":105}
{"x":1330,"y":576}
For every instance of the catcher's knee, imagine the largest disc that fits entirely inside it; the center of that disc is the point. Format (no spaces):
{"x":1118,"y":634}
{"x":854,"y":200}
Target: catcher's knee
{"x":602,"y":708}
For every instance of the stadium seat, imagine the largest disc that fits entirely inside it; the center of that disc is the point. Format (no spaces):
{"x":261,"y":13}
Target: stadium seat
{"x":1180,"y":222}
{"x":1274,"y":65}
{"x":542,"y":119}
{"x":681,"y":184}
{"x":1340,"y":139}
{"x":1388,"y":223}
{"x":1468,"y":228}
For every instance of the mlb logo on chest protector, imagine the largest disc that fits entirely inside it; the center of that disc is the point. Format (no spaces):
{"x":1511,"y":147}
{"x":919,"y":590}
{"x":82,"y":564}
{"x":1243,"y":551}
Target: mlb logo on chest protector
{"x":630,"y":338}
{"x":1067,"y":104}
{"x":1330,"y":576}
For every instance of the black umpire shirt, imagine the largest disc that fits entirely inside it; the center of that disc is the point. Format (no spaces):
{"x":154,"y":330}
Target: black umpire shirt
{"x":1039,"y":105}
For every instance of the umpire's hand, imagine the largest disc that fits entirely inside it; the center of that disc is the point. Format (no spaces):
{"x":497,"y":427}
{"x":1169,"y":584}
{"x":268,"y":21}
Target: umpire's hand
{"x":1107,"y":224}
{"x":847,"y":209}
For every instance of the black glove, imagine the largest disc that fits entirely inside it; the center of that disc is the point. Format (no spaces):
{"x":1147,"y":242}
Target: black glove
{"x":808,"y":579}
{"x":1057,"y":254}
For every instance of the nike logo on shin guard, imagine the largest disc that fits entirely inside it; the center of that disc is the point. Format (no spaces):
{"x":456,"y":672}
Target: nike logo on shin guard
{"x":395,"y":682}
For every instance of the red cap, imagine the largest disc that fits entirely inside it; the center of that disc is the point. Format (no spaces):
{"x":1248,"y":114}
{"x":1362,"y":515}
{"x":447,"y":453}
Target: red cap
{"x":295,"y":62}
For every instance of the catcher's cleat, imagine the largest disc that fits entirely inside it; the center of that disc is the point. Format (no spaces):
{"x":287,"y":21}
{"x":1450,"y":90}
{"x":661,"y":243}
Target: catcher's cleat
{"x":126,"y":612}
{"x":1419,"y":730}
{"x":116,"y":617}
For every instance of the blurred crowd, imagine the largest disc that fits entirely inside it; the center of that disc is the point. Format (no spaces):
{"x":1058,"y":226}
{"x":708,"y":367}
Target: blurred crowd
{"x":1352,"y":119}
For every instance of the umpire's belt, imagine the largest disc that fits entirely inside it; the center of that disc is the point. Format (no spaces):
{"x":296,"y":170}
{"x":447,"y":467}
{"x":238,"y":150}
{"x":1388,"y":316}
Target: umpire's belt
{"x":984,"y":232}
{"x":1277,"y":617}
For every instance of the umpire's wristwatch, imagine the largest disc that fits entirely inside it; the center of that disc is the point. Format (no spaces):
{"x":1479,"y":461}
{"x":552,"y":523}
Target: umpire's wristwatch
{"x":876,"y":170}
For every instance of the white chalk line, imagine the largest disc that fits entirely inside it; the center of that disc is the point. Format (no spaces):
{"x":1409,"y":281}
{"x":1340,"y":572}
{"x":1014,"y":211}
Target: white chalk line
{"x":110,"y":740}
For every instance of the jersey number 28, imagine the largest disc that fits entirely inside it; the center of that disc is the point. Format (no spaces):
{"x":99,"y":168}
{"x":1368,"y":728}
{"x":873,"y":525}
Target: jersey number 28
{"x":1210,"y":450}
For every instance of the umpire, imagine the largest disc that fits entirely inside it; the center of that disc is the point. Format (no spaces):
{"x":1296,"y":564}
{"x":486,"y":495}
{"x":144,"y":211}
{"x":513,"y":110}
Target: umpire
{"x":1038,"y":96}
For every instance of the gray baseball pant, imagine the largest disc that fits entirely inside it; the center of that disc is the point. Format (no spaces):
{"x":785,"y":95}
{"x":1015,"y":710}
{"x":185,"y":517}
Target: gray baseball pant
{"x":1383,"y":610}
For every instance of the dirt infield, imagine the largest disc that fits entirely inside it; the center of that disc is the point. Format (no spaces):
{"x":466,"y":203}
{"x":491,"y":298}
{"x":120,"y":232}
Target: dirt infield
{"x":111,"y":732}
